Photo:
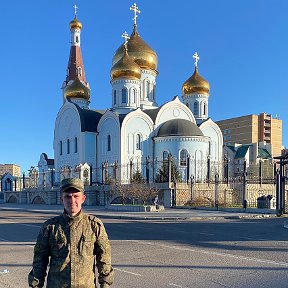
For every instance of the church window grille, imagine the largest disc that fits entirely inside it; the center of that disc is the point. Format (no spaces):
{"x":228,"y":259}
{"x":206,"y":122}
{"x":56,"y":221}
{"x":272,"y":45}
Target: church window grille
{"x":68,"y":146}
{"x":204,"y":108}
{"x":61,"y":147}
{"x":75,"y":145}
{"x":138,"y":142}
{"x":183,"y":157}
{"x":196,"y":108}
{"x":114,"y":97}
{"x":124,"y":95}
{"x":109,"y":143}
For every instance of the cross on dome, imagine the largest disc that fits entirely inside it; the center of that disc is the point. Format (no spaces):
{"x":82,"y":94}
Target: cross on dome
{"x":75,"y":10}
{"x":136,"y":10}
{"x":197,"y":58}
{"x":126,"y":37}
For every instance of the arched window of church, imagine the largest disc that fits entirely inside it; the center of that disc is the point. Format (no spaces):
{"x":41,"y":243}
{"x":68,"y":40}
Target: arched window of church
{"x":124,"y":95}
{"x":196,"y":108}
{"x":79,"y":71}
{"x":77,"y":39}
{"x":204,"y":108}
{"x":109,"y":142}
{"x":75,"y":145}
{"x":68,"y":146}
{"x":147,"y":89}
{"x":133,"y":96}
{"x":61,"y":147}
{"x":114,"y":97}
{"x":154,"y":92}
{"x":138,"y":142}
{"x":183,"y":157}
{"x":165,"y":156}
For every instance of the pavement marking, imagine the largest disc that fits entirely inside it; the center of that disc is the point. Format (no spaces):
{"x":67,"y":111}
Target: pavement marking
{"x":13,"y":222}
{"x":125,"y":271}
{"x":175,"y":285}
{"x":239,"y":257}
{"x":254,"y":239}
{"x":5,"y":240}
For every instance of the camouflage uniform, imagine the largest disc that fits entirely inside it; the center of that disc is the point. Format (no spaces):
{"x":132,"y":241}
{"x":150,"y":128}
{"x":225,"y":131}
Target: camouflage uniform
{"x":72,"y":244}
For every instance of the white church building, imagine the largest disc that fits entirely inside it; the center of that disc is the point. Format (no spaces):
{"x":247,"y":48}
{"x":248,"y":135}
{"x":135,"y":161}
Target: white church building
{"x":135,"y":133}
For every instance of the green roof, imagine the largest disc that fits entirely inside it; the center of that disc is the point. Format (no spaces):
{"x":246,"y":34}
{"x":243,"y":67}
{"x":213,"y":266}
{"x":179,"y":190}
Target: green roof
{"x":241,"y":151}
{"x":264,"y":153}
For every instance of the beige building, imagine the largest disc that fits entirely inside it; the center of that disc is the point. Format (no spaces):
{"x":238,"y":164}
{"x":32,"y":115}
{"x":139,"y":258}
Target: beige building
{"x":252,"y":129}
{"x":13,"y":169}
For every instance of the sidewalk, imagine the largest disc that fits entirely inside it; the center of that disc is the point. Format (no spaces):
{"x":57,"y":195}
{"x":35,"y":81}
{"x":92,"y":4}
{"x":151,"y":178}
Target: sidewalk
{"x":167,"y":214}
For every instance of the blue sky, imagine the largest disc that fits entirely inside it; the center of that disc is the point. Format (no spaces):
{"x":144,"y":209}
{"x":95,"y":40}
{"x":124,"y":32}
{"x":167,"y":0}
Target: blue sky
{"x":242,"y":46}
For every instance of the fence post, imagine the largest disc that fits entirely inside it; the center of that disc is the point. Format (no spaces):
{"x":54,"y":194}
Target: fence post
{"x":91,"y":175}
{"x":216,"y":190}
{"x":192,"y":181}
{"x":188,"y":168}
{"x":278,"y":193}
{"x":260,"y":172}
{"x":244,"y":185}
{"x":174,"y":195}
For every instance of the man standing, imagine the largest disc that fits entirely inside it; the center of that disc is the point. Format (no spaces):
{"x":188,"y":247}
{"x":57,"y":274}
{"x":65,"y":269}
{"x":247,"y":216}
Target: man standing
{"x":70,"y":243}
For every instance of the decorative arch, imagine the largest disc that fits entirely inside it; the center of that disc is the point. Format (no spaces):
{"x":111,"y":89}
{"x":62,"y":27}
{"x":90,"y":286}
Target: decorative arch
{"x":38,"y":200}
{"x":12,"y":199}
{"x":183,"y":157}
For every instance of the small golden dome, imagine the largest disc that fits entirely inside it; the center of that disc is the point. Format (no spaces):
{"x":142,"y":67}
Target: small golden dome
{"x":77,"y":90}
{"x":126,"y":68}
{"x":141,"y":52}
{"x":196,"y":84}
{"x":75,"y":24}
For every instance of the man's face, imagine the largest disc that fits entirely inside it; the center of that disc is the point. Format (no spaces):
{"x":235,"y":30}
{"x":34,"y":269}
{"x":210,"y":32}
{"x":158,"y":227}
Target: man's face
{"x":72,"y":201}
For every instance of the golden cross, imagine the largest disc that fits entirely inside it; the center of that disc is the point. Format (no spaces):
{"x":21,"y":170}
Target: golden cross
{"x":126,"y":37}
{"x":136,"y":10}
{"x":197,"y":58}
{"x":75,"y":9}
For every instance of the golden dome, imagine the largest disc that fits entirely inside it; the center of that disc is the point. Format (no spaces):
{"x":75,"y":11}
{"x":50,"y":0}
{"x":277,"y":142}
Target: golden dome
{"x":196,"y":84}
{"x":126,"y":68}
{"x":75,"y":23}
{"x":141,"y":52}
{"x":77,"y":90}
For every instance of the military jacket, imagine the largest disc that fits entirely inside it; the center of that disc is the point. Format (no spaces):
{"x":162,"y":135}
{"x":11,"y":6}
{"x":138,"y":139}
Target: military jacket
{"x":70,"y":246}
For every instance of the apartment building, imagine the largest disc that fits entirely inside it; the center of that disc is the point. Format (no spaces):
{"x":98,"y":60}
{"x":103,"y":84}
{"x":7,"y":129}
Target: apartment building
{"x":252,"y":129}
{"x":13,"y":169}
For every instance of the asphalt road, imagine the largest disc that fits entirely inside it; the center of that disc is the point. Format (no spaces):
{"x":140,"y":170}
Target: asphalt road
{"x":162,"y":253}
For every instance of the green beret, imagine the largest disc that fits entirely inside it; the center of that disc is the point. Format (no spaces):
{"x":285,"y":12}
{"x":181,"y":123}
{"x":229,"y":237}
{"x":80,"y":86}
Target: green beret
{"x":73,"y":184}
